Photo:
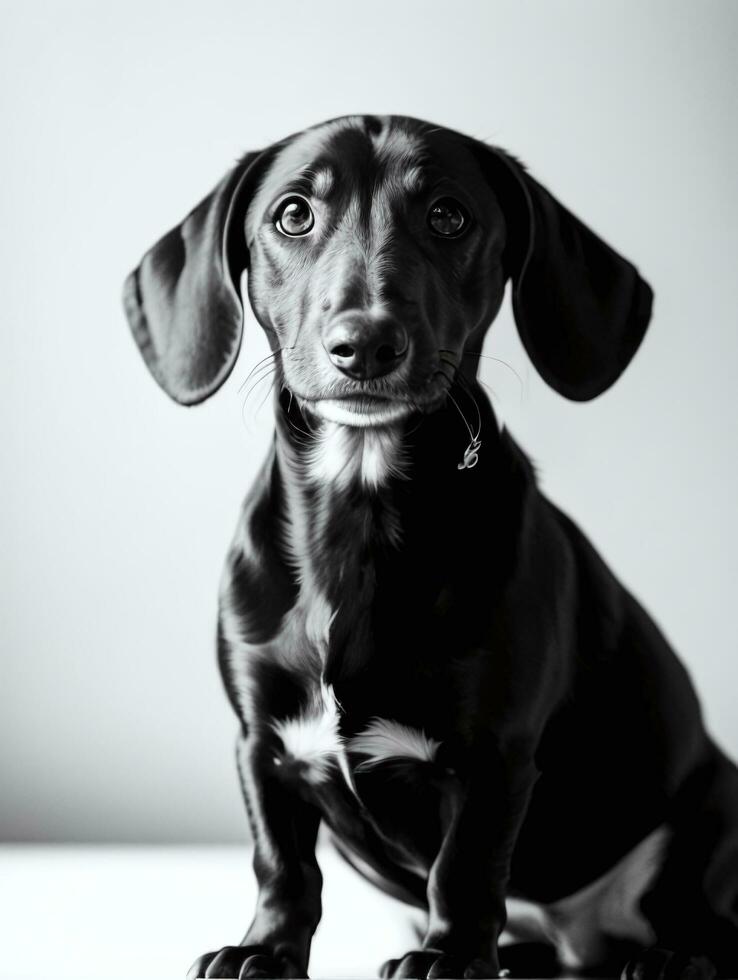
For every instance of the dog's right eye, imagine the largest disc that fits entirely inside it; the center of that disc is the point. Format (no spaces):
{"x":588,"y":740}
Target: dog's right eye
{"x":294,"y":217}
{"x":447,"y":218}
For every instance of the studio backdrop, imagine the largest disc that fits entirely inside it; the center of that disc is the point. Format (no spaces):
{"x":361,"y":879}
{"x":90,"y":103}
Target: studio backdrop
{"x":118,"y":506}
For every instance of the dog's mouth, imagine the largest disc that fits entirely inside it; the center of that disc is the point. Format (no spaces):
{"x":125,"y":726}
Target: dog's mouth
{"x":362,"y":411}
{"x":373,"y":406}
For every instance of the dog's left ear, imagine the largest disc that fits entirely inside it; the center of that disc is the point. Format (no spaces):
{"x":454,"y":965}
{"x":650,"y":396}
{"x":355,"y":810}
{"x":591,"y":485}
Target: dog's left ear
{"x":183,"y":302}
{"x":580,"y":308}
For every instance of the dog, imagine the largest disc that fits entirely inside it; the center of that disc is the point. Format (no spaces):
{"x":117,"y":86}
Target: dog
{"x":423,"y":652}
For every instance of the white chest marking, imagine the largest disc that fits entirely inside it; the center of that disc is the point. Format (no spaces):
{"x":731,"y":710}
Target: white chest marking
{"x":313,"y":739}
{"x":580,"y":924}
{"x":343,"y":454}
{"x":383,"y":740}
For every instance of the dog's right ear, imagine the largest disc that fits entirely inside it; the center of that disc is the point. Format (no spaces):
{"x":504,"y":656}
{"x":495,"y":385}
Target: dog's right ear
{"x":581,"y":309}
{"x":183,"y":302}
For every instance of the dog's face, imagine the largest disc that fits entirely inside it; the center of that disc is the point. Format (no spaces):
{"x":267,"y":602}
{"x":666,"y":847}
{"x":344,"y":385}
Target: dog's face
{"x":374,"y":248}
{"x":378,"y":250}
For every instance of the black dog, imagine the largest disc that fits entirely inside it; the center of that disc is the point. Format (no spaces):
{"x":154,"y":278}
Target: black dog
{"x":422,"y":650}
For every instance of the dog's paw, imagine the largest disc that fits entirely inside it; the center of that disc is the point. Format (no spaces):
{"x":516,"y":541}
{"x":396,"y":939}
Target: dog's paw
{"x":428,"y":964}
{"x":238,"y":962}
{"x":657,"y":963}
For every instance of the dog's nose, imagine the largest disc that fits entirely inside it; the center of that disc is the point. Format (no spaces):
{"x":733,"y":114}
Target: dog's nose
{"x":364,"y":347}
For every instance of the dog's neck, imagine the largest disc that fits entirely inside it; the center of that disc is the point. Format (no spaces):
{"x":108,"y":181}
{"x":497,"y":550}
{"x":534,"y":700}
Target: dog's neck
{"x":339,"y":484}
{"x":348,"y":458}
{"x":355,"y":503}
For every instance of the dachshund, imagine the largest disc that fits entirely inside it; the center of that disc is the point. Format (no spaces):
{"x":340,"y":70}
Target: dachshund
{"x":423,"y":652}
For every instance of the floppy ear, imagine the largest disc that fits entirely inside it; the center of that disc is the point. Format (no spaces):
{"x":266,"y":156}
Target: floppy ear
{"x":581,"y":309}
{"x":183,"y":302}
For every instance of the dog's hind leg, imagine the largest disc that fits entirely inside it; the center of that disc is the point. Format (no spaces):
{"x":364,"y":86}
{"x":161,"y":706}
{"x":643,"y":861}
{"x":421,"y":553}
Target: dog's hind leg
{"x":693,"y":902}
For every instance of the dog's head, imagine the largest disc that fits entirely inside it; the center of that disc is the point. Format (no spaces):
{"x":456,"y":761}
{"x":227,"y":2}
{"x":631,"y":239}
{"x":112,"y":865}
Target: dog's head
{"x":377,"y":249}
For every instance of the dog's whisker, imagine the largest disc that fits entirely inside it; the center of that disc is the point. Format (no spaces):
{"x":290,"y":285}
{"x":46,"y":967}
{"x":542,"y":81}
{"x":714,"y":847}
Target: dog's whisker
{"x":461,"y":413}
{"x":311,"y":428}
{"x":254,"y":369}
{"x":311,"y":432}
{"x":417,"y":425}
{"x":499,"y":360}
{"x":288,"y":415}
{"x":271,"y":372}
{"x":270,"y":389}
{"x":310,"y":436}
{"x":466,"y":387}
{"x":266,"y":371}
{"x":269,"y":357}
{"x":471,"y":453}
{"x":443,"y":374}
{"x":489,"y":388}
{"x":266,"y":365}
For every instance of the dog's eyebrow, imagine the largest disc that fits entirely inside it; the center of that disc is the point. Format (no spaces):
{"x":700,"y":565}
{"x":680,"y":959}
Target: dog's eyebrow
{"x":314,"y":181}
{"x":414,"y":180}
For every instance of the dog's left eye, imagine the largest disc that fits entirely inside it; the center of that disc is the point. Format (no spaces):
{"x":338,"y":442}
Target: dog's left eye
{"x":294,"y":217}
{"x":447,"y":218}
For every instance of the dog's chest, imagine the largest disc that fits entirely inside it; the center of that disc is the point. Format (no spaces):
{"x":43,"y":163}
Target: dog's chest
{"x":369,"y":708}
{"x":324,"y":741}
{"x":369,"y":775}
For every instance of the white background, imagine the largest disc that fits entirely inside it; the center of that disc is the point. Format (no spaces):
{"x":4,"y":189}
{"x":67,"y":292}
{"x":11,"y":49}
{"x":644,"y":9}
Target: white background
{"x":117,"y":506}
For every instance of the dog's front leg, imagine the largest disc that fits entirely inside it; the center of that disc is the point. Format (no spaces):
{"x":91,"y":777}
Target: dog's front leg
{"x":468,"y":880}
{"x":284,"y":829}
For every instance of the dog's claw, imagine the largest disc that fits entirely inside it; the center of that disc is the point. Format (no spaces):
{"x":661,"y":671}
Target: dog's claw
{"x":242,"y":962}
{"x":433,"y":964}
{"x":658,"y":963}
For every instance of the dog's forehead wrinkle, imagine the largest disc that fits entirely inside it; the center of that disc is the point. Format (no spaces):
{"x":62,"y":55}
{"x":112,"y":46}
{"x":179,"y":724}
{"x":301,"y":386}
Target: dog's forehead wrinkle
{"x":304,"y":154}
{"x":414,"y":180}
{"x":400,"y":144}
{"x":374,"y":157}
{"x":316,"y":180}
{"x":375,"y":172}
{"x":323,"y":181}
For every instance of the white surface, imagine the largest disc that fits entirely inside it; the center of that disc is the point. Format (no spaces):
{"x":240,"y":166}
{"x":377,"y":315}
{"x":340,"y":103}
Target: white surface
{"x":88,"y":913}
{"x":116,"y":506}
